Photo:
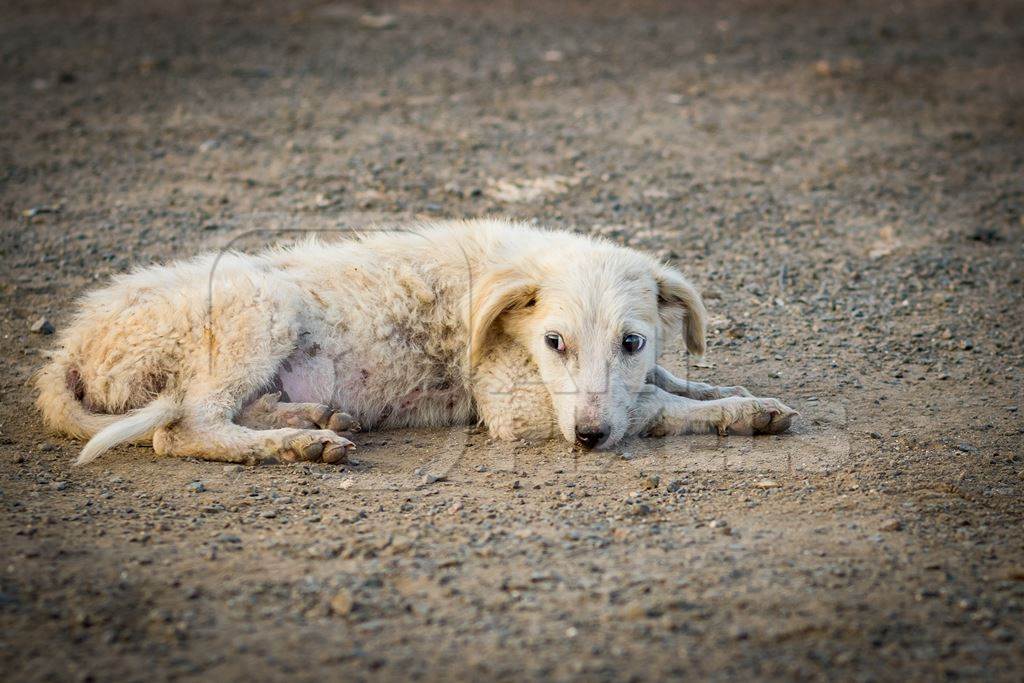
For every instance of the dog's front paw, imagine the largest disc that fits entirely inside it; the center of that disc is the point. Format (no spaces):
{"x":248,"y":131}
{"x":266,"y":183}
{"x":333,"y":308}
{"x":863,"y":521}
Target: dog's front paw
{"x":757,"y":416}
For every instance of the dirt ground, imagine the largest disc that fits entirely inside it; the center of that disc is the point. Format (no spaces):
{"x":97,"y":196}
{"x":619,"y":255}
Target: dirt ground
{"x":844,"y":181}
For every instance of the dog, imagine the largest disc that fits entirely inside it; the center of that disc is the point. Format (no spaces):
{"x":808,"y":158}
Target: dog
{"x":282,"y":355}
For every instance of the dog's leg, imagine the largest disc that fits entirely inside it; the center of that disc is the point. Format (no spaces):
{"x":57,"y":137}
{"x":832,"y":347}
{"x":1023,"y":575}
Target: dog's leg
{"x":660,"y":413}
{"x":518,"y":412}
{"x":511,"y":398}
{"x":228,"y":442}
{"x":206,"y":431}
{"x":663,"y":379}
{"x":269,"y":412}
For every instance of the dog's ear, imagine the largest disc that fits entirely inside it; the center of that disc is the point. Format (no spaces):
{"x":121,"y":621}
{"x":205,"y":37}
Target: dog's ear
{"x":678,"y":300}
{"x":497,"y":292}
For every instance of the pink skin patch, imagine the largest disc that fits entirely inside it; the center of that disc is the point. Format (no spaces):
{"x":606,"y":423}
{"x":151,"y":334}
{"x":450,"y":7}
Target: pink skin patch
{"x":304,"y":378}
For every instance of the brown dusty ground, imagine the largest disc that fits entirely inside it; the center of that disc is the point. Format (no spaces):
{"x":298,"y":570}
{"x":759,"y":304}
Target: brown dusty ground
{"x":843,"y":180}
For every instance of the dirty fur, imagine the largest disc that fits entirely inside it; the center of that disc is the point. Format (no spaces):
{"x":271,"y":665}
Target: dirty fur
{"x":281,"y":355}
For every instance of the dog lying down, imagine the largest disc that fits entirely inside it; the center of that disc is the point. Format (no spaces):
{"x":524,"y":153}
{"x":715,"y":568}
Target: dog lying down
{"x":278,"y":356}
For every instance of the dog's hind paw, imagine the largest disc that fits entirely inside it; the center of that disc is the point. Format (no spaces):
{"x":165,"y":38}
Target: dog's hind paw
{"x":312,"y":445}
{"x":268,"y":412}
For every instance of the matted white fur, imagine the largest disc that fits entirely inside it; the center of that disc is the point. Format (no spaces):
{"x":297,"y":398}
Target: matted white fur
{"x":535,"y":333}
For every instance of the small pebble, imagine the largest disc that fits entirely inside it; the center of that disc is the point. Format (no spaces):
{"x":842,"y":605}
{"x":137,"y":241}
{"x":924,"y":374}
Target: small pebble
{"x":378,"y":21}
{"x":196,"y":487}
{"x":42,"y":326}
{"x":890,"y":525}
{"x":39,"y":210}
{"x":342,"y":603}
{"x":231,"y":469}
{"x":1015,"y":574}
{"x":1003,"y":635}
{"x":967,"y":604}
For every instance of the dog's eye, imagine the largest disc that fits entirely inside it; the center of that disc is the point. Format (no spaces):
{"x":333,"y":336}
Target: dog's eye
{"x":632,"y":343}
{"x":554,"y":341}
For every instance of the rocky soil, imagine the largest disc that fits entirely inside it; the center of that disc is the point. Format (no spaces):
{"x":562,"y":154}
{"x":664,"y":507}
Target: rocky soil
{"x":843,"y":181}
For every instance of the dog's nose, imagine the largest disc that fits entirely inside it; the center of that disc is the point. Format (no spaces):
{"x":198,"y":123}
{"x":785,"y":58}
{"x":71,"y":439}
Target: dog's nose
{"x":591,"y":437}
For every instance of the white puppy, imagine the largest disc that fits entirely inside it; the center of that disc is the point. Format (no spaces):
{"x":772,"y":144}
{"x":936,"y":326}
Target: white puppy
{"x":273,"y":357}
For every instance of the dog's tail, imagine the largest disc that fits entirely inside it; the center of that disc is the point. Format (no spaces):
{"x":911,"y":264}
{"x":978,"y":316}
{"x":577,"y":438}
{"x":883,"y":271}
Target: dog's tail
{"x":63,"y":410}
{"x":131,"y":426}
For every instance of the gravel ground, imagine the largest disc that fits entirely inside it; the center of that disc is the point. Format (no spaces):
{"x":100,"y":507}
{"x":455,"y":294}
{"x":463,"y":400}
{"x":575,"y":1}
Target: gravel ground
{"x":843,"y":181}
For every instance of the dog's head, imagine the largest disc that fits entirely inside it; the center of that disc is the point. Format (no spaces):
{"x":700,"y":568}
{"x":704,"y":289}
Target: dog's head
{"x":593,"y":317}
